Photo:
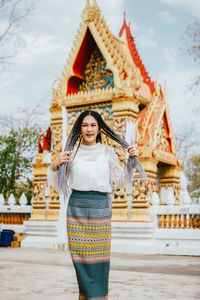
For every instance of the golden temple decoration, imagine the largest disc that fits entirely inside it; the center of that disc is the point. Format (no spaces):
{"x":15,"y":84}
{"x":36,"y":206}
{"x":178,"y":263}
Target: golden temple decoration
{"x":163,"y":140}
{"x":95,"y":75}
{"x":119,"y":204}
{"x":96,"y":9}
{"x":164,"y":156}
{"x":140,"y":204}
{"x":92,"y":97}
{"x":142,"y":191}
{"x":56,"y":129}
{"x":151,"y":126}
{"x":88,"y":13}
{"x":126,"y":75}
{"x":39,"y":158}
{"x":57,"y":94}
{"x":56,"y":148}
{"x":40,"y":172}
{"x":54,"y":205}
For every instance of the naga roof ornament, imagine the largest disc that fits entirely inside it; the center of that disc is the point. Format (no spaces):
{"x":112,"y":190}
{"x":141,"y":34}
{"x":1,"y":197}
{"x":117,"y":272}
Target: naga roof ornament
{"x":88,"y":13}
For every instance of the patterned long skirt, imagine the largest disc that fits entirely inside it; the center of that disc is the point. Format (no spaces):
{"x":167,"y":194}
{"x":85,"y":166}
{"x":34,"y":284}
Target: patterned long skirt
{"x":89,"y":236}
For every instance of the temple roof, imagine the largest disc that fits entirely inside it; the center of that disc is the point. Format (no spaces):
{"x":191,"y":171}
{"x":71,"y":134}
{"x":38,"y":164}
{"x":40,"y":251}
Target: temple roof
{"x":130,"y":79}
{"x":135,"y":55}
{"x":93,"y":31}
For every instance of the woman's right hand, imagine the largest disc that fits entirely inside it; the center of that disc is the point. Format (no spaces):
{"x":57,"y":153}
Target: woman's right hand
{"x":63,"y":157}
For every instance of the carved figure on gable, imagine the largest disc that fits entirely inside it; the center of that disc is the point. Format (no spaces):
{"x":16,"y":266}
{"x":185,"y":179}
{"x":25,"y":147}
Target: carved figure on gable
{"x":95,"y":75}
{"x":163,"y":140}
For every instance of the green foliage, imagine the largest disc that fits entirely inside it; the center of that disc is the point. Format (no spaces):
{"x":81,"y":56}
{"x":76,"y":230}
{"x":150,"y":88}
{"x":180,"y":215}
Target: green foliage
{"x":193,"y":173}
{"x":17,"y":148}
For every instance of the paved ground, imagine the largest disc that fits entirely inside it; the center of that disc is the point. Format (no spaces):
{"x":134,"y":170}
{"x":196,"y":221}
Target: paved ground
{"x":48,"y":275}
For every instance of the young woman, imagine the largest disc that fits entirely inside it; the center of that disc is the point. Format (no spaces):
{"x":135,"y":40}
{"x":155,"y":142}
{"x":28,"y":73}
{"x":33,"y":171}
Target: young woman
{"x":89,"y":171}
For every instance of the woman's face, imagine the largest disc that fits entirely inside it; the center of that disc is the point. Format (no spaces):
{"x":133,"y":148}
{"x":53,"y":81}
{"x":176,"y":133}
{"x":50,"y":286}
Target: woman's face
{"x":89,"y":130}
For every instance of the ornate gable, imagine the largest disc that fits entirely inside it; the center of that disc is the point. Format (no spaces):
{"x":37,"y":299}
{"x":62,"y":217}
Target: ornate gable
{"x":154,"y":124}
{"x":125,"y":34}
{"x":163,"y":139}
{"x":121,"y":74}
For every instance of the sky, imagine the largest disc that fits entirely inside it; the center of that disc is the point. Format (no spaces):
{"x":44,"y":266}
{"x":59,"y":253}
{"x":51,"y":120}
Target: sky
{"x":158,"y":27}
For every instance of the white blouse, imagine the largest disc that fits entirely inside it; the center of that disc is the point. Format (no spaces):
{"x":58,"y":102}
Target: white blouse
{"x":94,"y":168}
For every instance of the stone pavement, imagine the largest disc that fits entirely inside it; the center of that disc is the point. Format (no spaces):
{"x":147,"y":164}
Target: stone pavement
{"x":45,"y":274}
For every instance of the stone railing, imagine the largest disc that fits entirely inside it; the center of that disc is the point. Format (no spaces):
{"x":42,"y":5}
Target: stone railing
{"x":12,"y":216}
{"x":177,"y":216}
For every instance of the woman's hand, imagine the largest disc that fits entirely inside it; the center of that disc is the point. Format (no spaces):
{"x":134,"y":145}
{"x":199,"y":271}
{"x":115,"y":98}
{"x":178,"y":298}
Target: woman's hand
{"x":62,"y":158}
{"x":133,"y":151}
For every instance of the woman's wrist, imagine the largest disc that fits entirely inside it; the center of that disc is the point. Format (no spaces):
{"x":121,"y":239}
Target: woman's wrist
{"x":55,"y":167}
{"x":133,"y":151}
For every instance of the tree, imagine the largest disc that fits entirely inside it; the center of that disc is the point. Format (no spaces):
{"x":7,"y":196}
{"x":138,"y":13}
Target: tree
{"x":192,"y":46}
{"x":18,"y":144}
{"x":189,"y":152}
{"x":188,"y":143}
{"x":193,"y":173}
{"x":13,"y":13}
{"x":16,"y":154}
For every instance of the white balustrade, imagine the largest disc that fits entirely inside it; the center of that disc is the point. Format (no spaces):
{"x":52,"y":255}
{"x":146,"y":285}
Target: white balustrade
{"x":13,"y":215}
{"x":177,"y":216}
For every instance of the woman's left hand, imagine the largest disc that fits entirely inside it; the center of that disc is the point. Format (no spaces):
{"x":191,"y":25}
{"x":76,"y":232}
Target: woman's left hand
{"x":133,"y":151}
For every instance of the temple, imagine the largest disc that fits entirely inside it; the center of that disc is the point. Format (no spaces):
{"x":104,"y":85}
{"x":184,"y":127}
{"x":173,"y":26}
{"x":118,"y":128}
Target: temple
{"x":106,"y":73}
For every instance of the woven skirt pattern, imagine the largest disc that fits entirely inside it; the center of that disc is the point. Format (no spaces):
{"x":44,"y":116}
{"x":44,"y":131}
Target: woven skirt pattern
{"x":89,"y":238}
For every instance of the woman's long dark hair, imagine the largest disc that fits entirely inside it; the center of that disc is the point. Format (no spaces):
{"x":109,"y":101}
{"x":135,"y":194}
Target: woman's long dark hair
{"x":75,"y":134}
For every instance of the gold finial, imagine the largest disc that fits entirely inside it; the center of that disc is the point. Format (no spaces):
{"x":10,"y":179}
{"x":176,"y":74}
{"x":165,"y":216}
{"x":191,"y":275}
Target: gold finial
{"x":96,"y":8}
{"x":87,"y":4}
{"x":88,"y":13}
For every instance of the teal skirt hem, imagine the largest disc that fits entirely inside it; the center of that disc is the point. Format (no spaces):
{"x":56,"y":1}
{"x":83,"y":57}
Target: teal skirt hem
{"x":89,"y":239}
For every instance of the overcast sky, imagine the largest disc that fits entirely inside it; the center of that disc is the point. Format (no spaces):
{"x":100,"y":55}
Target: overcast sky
{"x":157,"y":26}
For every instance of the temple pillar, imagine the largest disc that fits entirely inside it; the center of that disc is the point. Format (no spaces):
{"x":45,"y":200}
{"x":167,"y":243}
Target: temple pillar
{"x":40,"y":170}
{"x":140,"y":210}
{"x":56,"y":147}
{"x":124,"y":110}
